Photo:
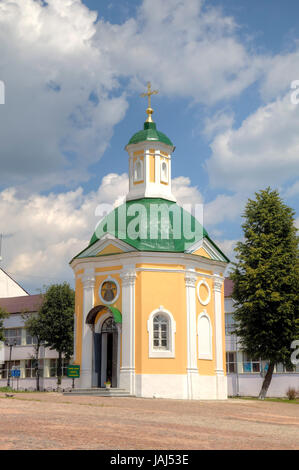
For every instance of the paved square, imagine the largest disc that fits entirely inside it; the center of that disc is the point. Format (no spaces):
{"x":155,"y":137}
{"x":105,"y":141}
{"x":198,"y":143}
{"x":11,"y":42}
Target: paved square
{"x":54,"y":421}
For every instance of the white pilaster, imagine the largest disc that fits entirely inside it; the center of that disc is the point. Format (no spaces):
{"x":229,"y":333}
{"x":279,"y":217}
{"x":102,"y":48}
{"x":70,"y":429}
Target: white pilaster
{"x":192,"y":370}
{"x":127,"y":371}
{"x":220,"y":378}
{"x":87,"y":333}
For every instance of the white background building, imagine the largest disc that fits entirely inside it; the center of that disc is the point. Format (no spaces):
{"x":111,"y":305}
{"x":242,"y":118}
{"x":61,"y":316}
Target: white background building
{"x":244,"y":376}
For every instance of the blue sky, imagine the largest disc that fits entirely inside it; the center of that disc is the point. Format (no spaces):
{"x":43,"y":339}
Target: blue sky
{"x":73,"y":80}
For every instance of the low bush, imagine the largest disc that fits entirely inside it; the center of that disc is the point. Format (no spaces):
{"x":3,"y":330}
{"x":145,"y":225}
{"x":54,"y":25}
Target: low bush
{"x":291,"y":393}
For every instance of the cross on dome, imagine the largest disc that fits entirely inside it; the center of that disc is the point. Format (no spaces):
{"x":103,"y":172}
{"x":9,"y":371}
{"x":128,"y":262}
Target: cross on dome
{"x":149,"y":93}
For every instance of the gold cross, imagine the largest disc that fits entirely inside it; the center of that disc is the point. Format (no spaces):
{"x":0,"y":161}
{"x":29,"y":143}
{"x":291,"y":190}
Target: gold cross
{"x":149,"y":93}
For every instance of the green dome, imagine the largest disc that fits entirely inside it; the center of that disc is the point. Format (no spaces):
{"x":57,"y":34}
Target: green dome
{"x":150,"y":133}
{"x":152,"y":224}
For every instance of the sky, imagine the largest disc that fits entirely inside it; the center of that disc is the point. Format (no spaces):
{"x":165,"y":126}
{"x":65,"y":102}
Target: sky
{"x":73,"y":71}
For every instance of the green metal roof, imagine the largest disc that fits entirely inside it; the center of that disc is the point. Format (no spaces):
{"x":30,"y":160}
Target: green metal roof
{"x":150,"y":133}
{"x":117,"y":316}
{"x":155,"y":232}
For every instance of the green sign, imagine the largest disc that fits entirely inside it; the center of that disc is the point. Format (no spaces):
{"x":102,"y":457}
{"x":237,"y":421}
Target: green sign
{"x":73,"y":371}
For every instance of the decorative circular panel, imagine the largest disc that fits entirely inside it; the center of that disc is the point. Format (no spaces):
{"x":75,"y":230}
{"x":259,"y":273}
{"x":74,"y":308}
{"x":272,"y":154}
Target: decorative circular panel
{"x":204,"y":298}
{"x":109,"y":291}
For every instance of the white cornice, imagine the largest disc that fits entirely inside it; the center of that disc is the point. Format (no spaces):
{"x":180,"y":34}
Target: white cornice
{"x":137,"y":257}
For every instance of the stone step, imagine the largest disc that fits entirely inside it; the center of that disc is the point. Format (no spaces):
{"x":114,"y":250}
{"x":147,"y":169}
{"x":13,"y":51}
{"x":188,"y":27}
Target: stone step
{"x":99,"y":392}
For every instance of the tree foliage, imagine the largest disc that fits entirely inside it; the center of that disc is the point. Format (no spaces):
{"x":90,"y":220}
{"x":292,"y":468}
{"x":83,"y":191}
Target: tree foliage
{"x":266,"y":281}
{"x":34,"y":327}
{"x":3,"y":315}
{"x":56,"y":318}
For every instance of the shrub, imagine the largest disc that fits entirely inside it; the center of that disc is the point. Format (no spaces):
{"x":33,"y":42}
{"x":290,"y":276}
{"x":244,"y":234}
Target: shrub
{"x":291,"y":393}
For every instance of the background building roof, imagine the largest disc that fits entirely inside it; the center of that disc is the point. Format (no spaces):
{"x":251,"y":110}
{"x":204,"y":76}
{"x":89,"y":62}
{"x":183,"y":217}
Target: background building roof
{"x":228,"y":287}
{"x":29,"y":303}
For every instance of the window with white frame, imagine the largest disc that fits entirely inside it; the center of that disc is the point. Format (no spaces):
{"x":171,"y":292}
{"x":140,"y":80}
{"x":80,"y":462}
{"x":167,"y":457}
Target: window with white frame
{"x":13,"y":336}
{"x":31,"y":369}
{"x":204,"y":332}
{"x":138,"y":170}
{"x":8,"y":366}
{"x":164,"y":172}
{"x":161,"y":332}
{"x":161,"y":329}
{"x":250,"y":365}
{"x":54,"y":367}
{"x":30,"y":339}
{"x":229,"y":323}
{"x":281,"y":368}
{"x":231,"y":362}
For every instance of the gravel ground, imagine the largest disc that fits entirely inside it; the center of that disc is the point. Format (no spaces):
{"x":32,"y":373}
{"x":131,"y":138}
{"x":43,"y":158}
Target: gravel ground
{"x":54,"y":421}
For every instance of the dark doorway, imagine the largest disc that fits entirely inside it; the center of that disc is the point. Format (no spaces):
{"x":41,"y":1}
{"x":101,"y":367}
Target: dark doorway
{"x":109,"y":352}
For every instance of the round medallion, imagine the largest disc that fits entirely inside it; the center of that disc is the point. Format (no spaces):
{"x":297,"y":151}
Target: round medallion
{"x":109,"y":291}
{"x":203,"y":292}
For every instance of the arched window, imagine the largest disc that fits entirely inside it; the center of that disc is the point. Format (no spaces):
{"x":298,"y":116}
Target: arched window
{"x":204,"y":332}
{"x":109,"y":326}
{"x":161,"y":332}
{"x":164,"y":172}
{"x":161,"y":329}
{"x":138,"y":171}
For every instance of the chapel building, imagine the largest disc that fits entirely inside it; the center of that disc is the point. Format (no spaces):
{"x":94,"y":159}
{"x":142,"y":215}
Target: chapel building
{"x":149,"y":314}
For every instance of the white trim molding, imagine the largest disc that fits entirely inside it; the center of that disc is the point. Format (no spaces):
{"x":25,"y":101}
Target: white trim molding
{"x":88,"y":280}
{"x":208,"y":355}
{"x":203,"y":282}
{"x":192,"y":370}
{"x":161,"y":353}
{"x":127,"y":371}
{"x":220,"y":379}
{"x":109,"y":279}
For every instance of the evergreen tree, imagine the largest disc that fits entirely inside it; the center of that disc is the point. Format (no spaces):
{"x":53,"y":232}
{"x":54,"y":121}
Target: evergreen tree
{"x":3,"y":314}
{"x":56,"y":317}
{"x":266,"y":282}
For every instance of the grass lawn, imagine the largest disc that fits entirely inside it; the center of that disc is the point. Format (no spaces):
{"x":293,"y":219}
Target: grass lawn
{"x":278,"y":400}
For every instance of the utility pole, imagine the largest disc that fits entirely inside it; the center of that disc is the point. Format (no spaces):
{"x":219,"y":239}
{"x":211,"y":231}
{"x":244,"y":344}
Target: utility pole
{"x":10,"y":344}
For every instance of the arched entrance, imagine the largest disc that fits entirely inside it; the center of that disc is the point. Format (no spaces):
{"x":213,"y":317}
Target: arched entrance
{"x":106,"y":345}
{"x":109,"y":351}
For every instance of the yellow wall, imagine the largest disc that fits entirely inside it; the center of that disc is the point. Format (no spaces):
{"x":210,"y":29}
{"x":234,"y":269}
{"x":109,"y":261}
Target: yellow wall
{"x":110,"y":249}
{"x":152,"y":290}
{"x":202,"y":252}
{"x":206,"y":366}
{"x":98,"y":281}
{"x":152,"y":168}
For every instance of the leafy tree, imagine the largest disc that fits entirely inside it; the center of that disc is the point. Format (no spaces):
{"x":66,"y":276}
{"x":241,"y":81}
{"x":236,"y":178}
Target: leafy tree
{"x":34,"y":327}
{"x":266,"y":282}
{"x":3,"y":315}
{"x":56,"y":318}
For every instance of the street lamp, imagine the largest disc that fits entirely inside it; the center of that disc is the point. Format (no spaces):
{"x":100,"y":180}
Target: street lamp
{"x":10,"y":344}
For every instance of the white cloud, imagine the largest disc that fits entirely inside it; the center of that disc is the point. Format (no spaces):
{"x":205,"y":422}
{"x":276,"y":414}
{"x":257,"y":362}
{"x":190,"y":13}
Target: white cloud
{"x":182,"y":47}
{"x":223,"y":208}
{"x":184,"y":192}
{"x":59,"y":115}
{"x":43,"y":233}
{"x":62,"y":70}
{"x":292,"y":190}
{"x":220,"y":122}
{"x":262,"y":151}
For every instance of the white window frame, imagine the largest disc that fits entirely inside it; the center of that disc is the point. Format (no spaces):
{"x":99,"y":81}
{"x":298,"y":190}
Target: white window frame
{"x":109,"y":279}
{"x":203,"y":282}
{"x":137,"y":177}
{"x":161,"y":353}
{"x":209,"y":355}
{"x":164,"y":178}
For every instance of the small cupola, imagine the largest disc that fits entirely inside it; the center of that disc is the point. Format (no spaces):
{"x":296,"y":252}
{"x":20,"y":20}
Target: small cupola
{"x":150,"y":160}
